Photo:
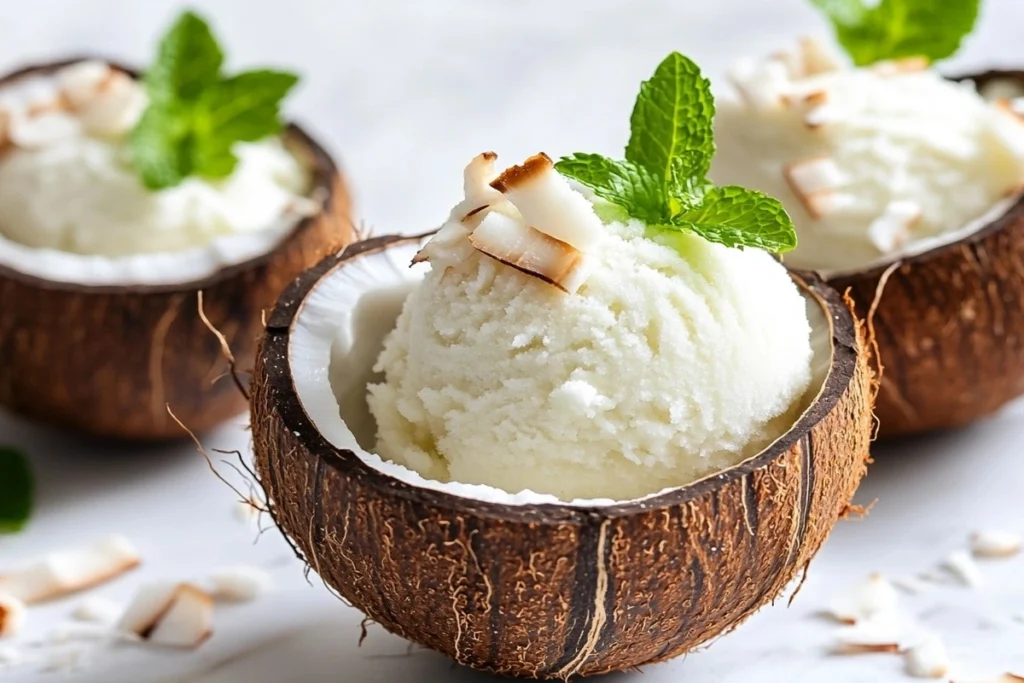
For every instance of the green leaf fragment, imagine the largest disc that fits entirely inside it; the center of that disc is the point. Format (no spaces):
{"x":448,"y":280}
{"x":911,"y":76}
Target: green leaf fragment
{"x":188,"y":62}
{"x":738,"y":217}
{"x":673,"y":114}
{"x":195,"y":115}
{"x":894,"y":29}
{"x":623,"y":183}
{"x":17,"y":490}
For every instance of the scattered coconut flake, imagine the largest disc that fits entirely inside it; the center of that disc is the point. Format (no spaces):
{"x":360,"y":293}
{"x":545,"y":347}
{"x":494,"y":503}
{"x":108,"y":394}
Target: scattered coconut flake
{"x":529,"y":250}
{"x":42,"y":130}
{"x":873,"y":596}
{"x":97,"y":610}
{"x":927,"y":659}
{"x":12,"y":615}
{"x":827,"y":203}
{"x":892,"y":229}
{"x":240,"y":584}
{"x":176,"y":615}
{"x":70,"y":571}
{"x":882,"y":632}
{"x":995,"y":544}
{"x":962,"y":565}
{"x":81,"y":82}
{"x":547,"y":203}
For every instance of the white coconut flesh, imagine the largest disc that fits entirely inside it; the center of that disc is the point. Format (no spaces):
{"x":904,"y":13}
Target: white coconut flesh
{"x":337,"y":336}
{"x":874,"y":164}
{"x":72,"y":209}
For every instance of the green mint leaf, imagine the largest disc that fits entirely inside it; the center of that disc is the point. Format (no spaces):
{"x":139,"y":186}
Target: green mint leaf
{"x":247,"y":106}
{"x":687,"y":181}
{"x":188,"y":61}
{"x":738,"y":217}
{"x":623,"y":183}
{"x":894,"y":29}
{"x":673,"y":113}
{"x":159,"y":148}
{"x":196,"y":115}
{"x":17,"y":490}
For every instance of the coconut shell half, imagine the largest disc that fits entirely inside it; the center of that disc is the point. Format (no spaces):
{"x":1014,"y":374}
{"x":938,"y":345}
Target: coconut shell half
{"x":108,"y":360}
{"x":949,"y":323}
{"x":551,"y":590}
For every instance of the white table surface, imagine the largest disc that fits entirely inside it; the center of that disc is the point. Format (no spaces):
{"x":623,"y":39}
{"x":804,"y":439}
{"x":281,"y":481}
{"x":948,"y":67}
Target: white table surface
{"x":405,"y":93}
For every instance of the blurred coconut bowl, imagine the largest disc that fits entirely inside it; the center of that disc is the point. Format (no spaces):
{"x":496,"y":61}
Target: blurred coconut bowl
{"x":108,"y":359}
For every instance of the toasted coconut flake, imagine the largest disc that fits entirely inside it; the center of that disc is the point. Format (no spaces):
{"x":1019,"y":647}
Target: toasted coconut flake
{"x":115,"y":109}
{"x":895,"y":67}
{"x":188,"y":622}
{"x":817,"y":58}
{"x":995,"y":544}
{"x":530,"y":251}
{"x":70,"y":571}
{"x":546,"y":202}
{"x":817,"y":174}
{"x":42,"y":130}
{"x":892,"y":229}
{"x":477,"y":178}
{"x":176,"y":615}
{"x":448,"y":245}
{"x":827,"y":203}
{"x":823,"y":114}
{"x":881,"y":632}
{"x":1014,"y":108}
{"x":962,"y":565}
{"x":240,"y":584}
{"x":12,"y":615}
{"x":927,"y":659}
{"x":81,"y":82}
{"x":873,"y":596}
{"x":762,"y":86}
{"x":150,"y":603}
{"x":97,"y":610}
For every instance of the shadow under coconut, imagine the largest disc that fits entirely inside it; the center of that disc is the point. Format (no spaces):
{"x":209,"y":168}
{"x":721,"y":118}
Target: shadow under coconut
{"x":72,"y":469}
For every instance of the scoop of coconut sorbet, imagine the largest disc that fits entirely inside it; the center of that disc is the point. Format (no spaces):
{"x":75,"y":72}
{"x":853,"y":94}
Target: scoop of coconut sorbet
{"x":576,"y":357}
{"x":869,"y":162}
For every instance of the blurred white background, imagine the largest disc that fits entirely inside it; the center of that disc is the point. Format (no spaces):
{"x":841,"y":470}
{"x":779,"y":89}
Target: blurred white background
{"x":404,"y":93}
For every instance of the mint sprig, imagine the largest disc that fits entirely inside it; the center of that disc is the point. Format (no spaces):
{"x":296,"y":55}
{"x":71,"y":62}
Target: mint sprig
{"x":17,"y":489}
{"x":893,"y":29}
{"x":196,"y":114}
{"x":663,"y":180}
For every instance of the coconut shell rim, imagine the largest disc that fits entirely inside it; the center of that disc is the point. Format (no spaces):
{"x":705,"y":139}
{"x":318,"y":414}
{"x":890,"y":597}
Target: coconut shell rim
{"x":324,"y":172}
{"x":274,"y":350}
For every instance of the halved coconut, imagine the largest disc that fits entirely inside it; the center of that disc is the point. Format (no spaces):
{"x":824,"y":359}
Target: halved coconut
{"x":524,"y":584}
{"x":949,"y":321}
{"x":106,"y":355}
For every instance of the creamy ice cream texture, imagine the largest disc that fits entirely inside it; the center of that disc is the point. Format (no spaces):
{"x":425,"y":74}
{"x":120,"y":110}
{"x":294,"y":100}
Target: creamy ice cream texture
{"x":66,"y":182}
{"x":664,"y":365}
{"x":869,"y":162}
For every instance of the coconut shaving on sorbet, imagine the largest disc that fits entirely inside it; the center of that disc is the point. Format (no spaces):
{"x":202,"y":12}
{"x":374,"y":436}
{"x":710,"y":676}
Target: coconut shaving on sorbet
{"x":69,"y":182}
{"x":563,"y":345}
{"x":871,"y":162}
